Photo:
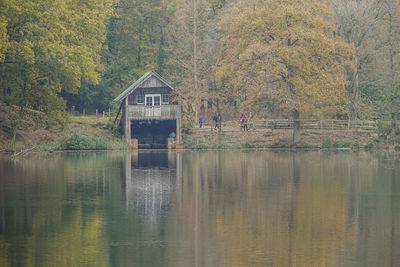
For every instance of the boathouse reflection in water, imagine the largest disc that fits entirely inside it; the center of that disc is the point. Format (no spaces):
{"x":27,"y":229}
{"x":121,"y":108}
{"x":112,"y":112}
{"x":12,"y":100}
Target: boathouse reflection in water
{"x":150,"y":181}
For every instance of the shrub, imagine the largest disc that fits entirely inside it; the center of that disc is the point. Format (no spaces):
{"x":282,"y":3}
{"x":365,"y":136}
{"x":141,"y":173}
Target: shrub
{"x":187,"y":143}
{"x":356,"y":145}
{"x":100,"y":143}
{"x":343,"y":144}
{"x":397,"y":130}
{"x":221,"y":146}
{"x":248,"y":145}
{"x":384,"y":130}
{"x":202,"y":145}
{"x":109,"y":123}
{"x":187,"y":127}
{"x":326,"y":142}
{"x":78,"y":141}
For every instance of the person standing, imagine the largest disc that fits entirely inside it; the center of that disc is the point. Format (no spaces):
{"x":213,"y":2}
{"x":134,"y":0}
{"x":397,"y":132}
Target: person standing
{"x":200,"y":122}
{"x":245,"y":123}
{"x":215,"y":119}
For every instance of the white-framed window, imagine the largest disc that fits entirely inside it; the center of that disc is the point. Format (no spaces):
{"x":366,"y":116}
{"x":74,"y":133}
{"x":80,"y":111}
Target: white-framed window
{"x":140,"y":99}
{"x":157,"y":100}
{"x":152,"y":100}
{"x":165,"y":98}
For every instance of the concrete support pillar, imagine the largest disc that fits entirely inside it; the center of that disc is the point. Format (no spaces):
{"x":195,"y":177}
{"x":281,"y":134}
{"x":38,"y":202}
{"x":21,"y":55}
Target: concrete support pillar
{"x":171,"y":143}
{"x":178,"y":128}
{"x":128,"y":178}
{"x":128,"y":131}
{"x":127,"y":125}
{"x":134,"y":144}
{"x":123,"y":118}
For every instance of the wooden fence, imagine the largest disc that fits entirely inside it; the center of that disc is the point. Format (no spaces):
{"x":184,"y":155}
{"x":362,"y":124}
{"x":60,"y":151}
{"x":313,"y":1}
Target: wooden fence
{"x":327,"y":124}
{"x":322,"y":124}
{"x":319,"y":124}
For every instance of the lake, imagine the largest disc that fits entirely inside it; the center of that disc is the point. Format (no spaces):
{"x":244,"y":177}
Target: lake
{"x":211,"y":208}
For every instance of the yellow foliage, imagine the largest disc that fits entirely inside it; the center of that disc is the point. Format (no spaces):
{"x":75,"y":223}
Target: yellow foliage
{"x":3,"y":38}
{"x":285,"y":51}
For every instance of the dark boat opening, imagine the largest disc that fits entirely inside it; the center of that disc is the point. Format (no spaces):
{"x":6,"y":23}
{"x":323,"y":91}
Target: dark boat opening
{"x":153,"y":133}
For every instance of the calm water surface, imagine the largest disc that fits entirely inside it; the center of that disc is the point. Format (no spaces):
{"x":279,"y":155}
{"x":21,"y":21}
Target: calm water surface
{"x":200,"y":209}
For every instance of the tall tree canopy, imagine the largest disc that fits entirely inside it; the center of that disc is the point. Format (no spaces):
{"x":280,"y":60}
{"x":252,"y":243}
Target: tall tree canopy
{"x":285,"y":54}
{"x":193,"y":48}
{"x":284,"y":58}
{"x":135,"y":44}
{"x":52,"y":46}
{"x":135,"y":41}
{"x":371,"y":26}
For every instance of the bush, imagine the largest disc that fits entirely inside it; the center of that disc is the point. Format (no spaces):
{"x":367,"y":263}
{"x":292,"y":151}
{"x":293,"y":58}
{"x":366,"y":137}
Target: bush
{"x":397,"y":130}
{"x":201,"y":145}
{"x":326,"y":142}
{"x":384,"y":130}
{"x":356,"y":145}
{"x":343,"y":144}
{"x":248,"y":145}
{"x":78,"y":141}
{"x":187,"y":127}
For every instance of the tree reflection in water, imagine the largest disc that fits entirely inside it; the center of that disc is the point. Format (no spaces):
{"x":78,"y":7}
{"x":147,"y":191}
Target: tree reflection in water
{"x":211,"y":208}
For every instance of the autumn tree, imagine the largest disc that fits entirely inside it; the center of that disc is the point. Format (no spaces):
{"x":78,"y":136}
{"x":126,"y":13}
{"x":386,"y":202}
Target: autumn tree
{"x":358,"y":23}
{"x":193,"y":48}
{"x":390,"y":26}
{"x":285,"y":52}
{"x":3,"y":29}
{"x":52,"y":46}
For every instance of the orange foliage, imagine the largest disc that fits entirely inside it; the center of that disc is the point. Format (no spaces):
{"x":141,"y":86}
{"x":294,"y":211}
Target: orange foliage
{"x":285,"y":51}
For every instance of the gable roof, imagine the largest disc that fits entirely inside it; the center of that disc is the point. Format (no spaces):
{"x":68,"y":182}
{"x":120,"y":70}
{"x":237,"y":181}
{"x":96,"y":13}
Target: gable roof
{"x":136,"y":84}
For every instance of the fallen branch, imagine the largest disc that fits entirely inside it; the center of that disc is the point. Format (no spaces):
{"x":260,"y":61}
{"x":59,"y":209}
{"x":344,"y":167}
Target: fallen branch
{"x":23,"y":152}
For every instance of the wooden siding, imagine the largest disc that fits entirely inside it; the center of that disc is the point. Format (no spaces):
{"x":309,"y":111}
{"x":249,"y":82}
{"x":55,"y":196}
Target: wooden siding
{"x":132,"y":98}
{"x":163,"y":112}
{"x":149,"y":84}
{"x":153,"y":82}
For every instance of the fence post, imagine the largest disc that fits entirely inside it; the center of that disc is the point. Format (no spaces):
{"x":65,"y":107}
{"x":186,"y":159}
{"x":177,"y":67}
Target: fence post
{"x":103,"y":114}
{"x":348,"y":124}
{"x":97,"y":111}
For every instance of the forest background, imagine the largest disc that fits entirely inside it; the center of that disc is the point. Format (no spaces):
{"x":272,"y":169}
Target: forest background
{"x":276,"y":58}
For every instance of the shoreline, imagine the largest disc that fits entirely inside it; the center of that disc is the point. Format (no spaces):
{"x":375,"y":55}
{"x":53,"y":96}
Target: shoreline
{"x":268,"y":149}
{"x":96,"y":134}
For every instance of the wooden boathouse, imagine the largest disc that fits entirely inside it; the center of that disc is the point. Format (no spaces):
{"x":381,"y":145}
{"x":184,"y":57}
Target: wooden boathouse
{"x":150,"y":119}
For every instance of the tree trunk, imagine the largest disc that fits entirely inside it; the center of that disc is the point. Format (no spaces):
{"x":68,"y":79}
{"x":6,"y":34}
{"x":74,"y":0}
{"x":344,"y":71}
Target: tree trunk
{"x":393,"y":128}
{"x":219,"y":116}
{"x":354,"y":112}
{"x":391,"y":49}
{"x":195,"y":93}
{"x":296,"y":126}
{"x":196,"y":113}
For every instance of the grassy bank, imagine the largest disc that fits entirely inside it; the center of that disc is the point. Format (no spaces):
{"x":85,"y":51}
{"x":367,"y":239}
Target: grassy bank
{"x":95,"y":133}
{"x":80,"y":133}
{"x":232,"y":138}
